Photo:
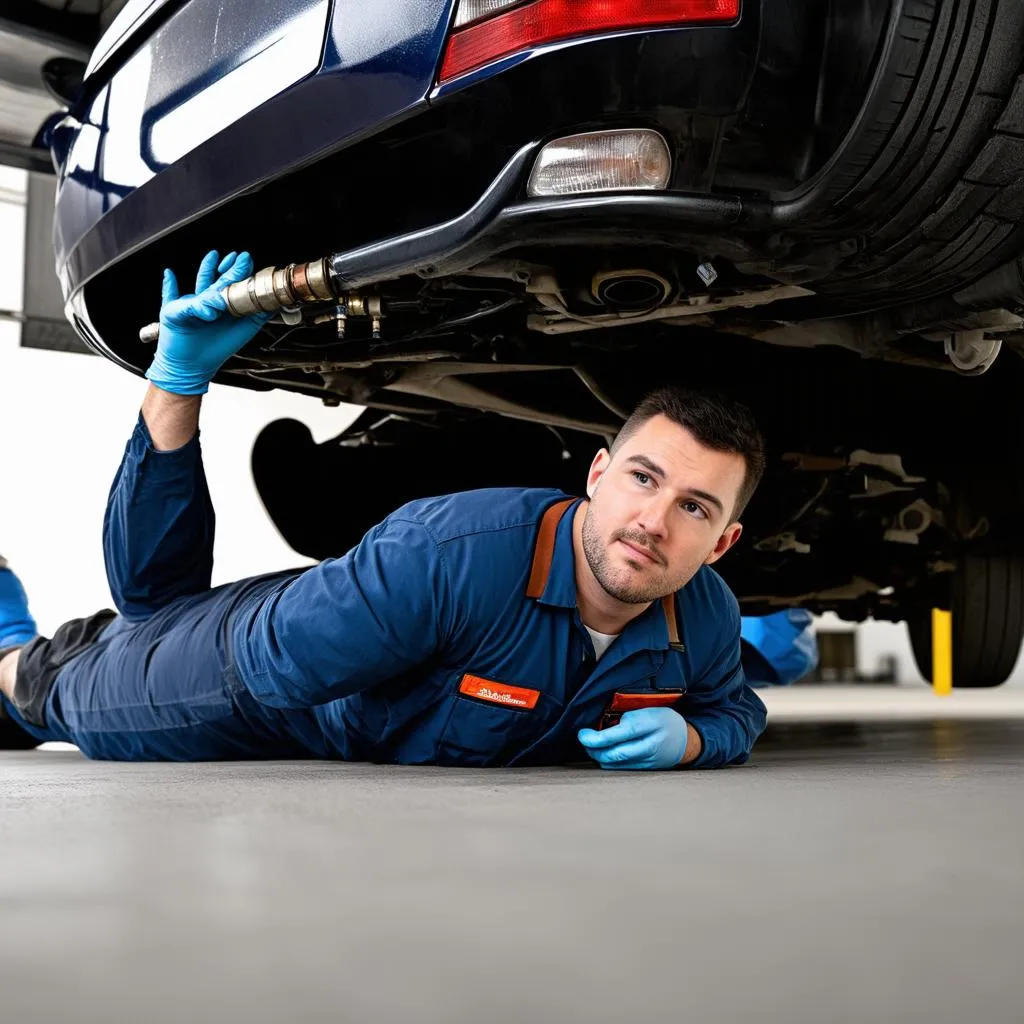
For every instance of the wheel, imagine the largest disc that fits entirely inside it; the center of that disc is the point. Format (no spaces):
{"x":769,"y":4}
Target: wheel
{"x":988,"y":622}
{"x":322,"y":498}
{"x":927,"y":180}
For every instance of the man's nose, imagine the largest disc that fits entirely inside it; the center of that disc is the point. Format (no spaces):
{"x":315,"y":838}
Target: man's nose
{"x":653,"y":518}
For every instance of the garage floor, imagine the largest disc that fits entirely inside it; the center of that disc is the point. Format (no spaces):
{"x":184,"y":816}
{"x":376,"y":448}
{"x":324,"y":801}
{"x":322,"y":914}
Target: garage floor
{"x":853,"y":872}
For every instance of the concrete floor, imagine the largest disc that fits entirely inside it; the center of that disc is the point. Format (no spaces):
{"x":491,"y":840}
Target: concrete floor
{"x":852,"y":873}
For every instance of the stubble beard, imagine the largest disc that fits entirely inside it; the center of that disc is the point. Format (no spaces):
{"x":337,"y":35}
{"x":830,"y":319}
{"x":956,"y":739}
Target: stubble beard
{"x":596,"y":552}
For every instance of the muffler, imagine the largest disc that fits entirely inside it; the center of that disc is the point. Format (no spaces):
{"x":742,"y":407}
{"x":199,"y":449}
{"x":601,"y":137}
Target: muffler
{"x":630,"y":291}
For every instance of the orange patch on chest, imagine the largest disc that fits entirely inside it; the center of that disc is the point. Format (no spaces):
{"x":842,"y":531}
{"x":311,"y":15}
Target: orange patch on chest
{"x":499,"y":693}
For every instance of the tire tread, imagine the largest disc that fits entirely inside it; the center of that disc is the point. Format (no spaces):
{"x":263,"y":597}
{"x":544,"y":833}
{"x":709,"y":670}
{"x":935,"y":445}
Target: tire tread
{"x":988,"y":622}
{"x":943,"y":151}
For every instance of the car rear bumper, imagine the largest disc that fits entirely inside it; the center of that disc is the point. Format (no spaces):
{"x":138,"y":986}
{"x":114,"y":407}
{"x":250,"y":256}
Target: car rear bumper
{"x":502,"y":219}
{"x":367,"y":86}
{"x":367,"y":73}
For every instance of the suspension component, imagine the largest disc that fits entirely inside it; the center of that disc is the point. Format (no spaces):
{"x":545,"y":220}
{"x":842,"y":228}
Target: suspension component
{"x":972,"y":353}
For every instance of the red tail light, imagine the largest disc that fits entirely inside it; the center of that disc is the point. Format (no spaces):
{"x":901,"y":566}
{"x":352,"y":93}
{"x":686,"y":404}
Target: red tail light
{"x":546,"y":21}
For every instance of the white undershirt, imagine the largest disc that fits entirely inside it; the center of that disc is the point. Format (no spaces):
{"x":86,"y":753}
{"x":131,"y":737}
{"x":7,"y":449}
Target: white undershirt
{"x":602,"y":641}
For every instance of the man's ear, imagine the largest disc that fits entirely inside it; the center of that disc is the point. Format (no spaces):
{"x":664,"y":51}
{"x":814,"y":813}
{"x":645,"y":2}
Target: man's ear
{"x":597,"y":470}
{"x":729,"y":537}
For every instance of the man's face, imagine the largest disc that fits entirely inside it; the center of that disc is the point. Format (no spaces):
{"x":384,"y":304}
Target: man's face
{"x":659,"y":510}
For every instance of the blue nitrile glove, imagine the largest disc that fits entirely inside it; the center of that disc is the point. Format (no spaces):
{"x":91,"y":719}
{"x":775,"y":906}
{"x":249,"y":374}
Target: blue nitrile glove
{"x":197,"y":333}
{"x":649,"y":738}
{"x":17,"y":626}
{"x":785,"y":647}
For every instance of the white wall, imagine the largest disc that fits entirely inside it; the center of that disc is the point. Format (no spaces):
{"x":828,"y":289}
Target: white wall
{"x":876,"y":640}
{"x":64,"y":421}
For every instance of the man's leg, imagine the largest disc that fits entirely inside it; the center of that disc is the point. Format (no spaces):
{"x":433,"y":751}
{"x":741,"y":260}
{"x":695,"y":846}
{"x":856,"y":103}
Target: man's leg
{"x":15,"y":732}
{"x":35,"y":661}
{"x":8,"y":672}
{"x":155,"y":690}
{"x":12,"y":734}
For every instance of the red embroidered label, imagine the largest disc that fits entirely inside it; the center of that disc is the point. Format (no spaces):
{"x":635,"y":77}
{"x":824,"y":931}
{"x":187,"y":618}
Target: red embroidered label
{"x":499,"y":693}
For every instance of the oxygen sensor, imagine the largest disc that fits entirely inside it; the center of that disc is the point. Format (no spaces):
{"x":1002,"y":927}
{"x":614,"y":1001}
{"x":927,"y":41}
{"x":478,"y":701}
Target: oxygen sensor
{"x":284,"y":291}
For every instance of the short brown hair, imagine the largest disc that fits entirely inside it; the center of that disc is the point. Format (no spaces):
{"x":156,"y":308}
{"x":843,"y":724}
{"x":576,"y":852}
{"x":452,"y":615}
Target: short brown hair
{"x":714,"y":420}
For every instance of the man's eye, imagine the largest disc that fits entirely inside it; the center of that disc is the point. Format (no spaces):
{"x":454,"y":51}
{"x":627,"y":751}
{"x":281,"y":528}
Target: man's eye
{"x":641,"y":478}
{"x":694,"y":509}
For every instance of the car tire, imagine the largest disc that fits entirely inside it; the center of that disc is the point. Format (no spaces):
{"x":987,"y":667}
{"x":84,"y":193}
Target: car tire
{"x":988,"y":622}
{"x":308,"y":491}
{"x":926,"y":190}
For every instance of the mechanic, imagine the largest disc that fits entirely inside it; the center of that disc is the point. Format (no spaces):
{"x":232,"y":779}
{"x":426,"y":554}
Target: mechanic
{"x":498,"y":627}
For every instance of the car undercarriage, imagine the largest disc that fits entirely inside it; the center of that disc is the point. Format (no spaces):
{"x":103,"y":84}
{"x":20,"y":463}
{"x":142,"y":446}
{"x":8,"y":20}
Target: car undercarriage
{"x":818,"y":211}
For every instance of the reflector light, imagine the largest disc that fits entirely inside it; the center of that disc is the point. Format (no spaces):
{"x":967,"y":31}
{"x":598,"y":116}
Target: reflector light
{"x":486,"y":32}
{"x":602,"y":162}
{"x":475,"y":10}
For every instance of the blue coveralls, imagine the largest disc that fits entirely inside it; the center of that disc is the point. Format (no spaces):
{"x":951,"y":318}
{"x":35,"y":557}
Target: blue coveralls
{"x":448,"y":635}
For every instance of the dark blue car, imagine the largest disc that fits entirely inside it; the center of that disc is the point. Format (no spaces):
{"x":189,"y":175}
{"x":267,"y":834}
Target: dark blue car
{"x":495,"y":223}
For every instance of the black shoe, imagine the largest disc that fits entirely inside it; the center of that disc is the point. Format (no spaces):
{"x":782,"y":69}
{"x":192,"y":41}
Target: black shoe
{"x":13,"y":737}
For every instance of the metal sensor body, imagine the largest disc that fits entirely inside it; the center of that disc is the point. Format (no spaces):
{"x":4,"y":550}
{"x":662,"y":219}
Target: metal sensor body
{"x":270,"y":290}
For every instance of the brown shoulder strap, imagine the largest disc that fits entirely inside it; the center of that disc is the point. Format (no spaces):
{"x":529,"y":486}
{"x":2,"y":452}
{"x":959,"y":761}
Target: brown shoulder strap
{"x":668,"y":603}
{"x":544,"y":549}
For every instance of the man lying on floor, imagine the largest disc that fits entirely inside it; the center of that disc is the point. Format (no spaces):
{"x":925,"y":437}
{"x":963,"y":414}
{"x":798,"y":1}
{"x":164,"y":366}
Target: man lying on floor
{"x":500,"y":627}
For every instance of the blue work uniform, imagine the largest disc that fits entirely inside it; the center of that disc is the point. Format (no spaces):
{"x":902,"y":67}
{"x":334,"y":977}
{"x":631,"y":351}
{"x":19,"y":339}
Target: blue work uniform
{"x":449,"y":635}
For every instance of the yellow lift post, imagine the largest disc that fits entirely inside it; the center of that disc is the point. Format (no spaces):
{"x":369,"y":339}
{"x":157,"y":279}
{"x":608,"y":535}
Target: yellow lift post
{"x":942,"y":652}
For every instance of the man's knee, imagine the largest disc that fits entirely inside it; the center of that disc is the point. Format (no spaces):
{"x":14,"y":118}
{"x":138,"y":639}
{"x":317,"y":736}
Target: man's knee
{"x":38,"y":663}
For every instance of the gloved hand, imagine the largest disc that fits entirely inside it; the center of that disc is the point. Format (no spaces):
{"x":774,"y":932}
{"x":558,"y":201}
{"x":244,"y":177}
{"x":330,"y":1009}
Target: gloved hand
{"x":17,"y":626}
{"x":197,"y":334}
{"x":649,"y":738}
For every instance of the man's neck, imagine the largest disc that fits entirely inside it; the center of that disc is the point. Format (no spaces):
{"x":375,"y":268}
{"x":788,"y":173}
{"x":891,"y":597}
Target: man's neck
{"x":598,"y":609}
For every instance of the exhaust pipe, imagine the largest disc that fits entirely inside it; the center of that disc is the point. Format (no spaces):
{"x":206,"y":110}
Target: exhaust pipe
{"x":274,"y":290}
{"x":630,"y":291}
{"x":270,"y":290}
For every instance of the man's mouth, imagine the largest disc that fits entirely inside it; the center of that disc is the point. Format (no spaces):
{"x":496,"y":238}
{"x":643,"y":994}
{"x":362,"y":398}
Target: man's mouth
{"x":644,"y":554}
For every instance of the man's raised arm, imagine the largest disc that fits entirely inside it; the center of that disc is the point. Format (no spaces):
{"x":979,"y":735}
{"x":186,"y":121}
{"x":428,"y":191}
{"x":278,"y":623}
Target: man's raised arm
{"x":159,"y":526}
{"x":172,"y":420}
